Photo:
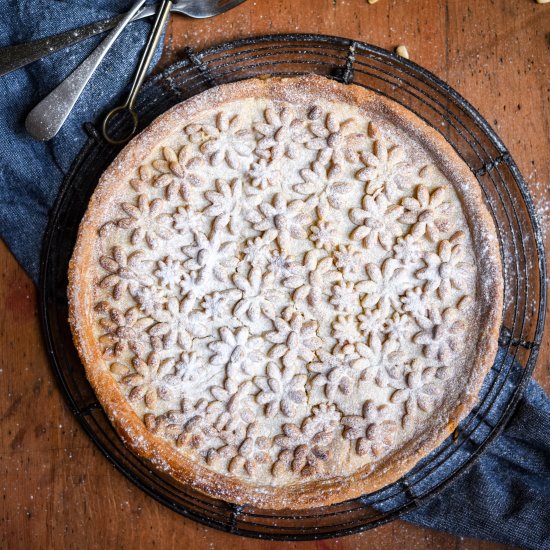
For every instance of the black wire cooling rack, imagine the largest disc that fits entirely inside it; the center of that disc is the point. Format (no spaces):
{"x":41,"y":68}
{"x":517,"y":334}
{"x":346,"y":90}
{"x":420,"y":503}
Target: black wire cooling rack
{"x":505,"y":193}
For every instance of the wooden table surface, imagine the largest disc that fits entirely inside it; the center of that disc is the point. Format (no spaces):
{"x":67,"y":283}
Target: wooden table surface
{"x":57,"y":490}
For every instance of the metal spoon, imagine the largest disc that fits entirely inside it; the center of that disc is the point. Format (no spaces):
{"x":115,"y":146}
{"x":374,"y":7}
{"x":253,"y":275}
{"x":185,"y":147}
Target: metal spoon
{"x":141,"y":73}
{"x":45,"y":120}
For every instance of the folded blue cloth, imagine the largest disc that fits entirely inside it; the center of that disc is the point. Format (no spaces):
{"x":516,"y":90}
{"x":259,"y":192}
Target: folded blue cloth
{"x":504,"y":496}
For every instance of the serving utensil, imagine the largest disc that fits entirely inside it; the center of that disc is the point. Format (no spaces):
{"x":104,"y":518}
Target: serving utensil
{"x":141,"y":73}
{"x":45,"y":120}
{"x":20,"y":55}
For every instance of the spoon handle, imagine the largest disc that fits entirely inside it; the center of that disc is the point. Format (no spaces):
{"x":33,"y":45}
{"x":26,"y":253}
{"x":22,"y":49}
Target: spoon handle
{"x":45,"y":120}
{"x":141,"y":73}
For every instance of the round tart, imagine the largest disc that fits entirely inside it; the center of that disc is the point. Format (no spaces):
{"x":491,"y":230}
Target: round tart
{"x":286,"y":292}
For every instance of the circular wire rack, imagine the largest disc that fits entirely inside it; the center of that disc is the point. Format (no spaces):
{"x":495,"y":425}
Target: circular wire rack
{"x":505,"y":194}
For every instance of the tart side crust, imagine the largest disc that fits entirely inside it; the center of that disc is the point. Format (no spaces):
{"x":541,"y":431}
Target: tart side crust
{"x":159,"y":452}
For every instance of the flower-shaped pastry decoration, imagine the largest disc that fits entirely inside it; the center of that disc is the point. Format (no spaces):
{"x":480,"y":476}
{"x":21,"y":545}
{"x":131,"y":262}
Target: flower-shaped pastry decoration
{"x":282,"y":219}
{"x":282,"y":134}
{"x":380,"y":362}
{"x":306,"y":447}
{"x":372,"y":321}
{"x":185,"y":368}
{"x":428,"y":212}
{"x":376,"y":221}
{"x":445,"y":270}
{"x":227,"y":142}
{"x":420,"y":389}
{"x":337,"y":139}
{"x":414,"y":302}
{"x":226,"y":205}
{"x":336,"y":372}
{"x":178,"y":324}
{"x":315,"y":276}
{"x":374,"y":431}
{"x":409,"y":251}
{"x":147,"y":221}
{"x":124,"y":272}
{"x":323,"y":232}
{"x":324,"y":183}
{"x":258,"y":295}
{"x":257,"y":250}
{"x":238,"y":348}
{"x":263,"y":174}
{"x":252,"y":452}
{"x":348,"y":259}
{"x":344,"y":297}
{"x":179,"y":171}
{"x":281,"y":390}
{"x":169,"y":273}
{"x":146,"y":381}
{"x":384,"y":168}
{"x":186,"y":221}
{"x":121,"y":330}
{"x":386,"y":285}
{"x":441,"y":332}
{"x":211,"y":256}
{"x":282,"y":265}
{"x":345,"y":328}
{"x":294,"y":338}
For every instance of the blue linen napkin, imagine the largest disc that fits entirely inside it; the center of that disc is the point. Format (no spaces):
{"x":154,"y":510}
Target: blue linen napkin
{"x":504,"y":496}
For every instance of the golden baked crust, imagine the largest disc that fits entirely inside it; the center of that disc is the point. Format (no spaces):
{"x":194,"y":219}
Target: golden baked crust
{"x":371,"y":449}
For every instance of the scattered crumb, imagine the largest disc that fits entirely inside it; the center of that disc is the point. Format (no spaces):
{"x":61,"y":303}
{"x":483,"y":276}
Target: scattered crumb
{"x":402,"y":51}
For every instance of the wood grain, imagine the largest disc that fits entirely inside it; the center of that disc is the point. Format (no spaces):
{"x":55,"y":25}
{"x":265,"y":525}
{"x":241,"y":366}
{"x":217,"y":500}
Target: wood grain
{"x":57,"y":490}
